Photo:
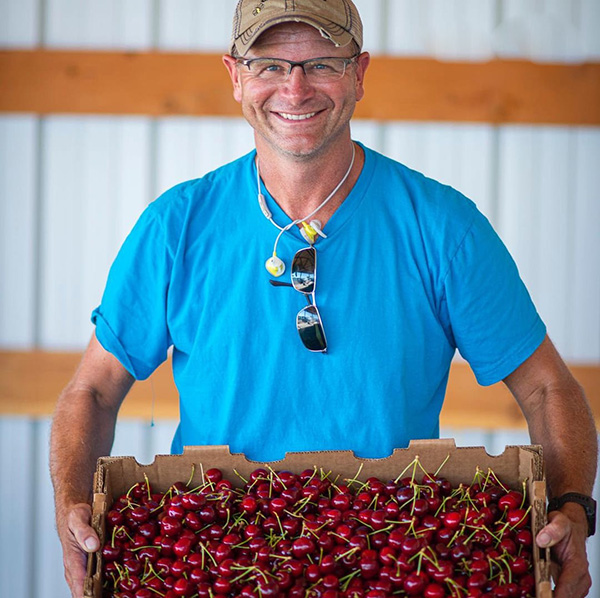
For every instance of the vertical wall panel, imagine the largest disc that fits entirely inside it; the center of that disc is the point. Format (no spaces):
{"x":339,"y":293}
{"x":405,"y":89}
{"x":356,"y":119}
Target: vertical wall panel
{"x":88,"y":207}
{"x":461,"y":29}
{"x":373,"y":18}
{"x":46,"y":552}
{"x":463,"y":437}
{"x":18,"y":176}
{"x":518,"y":208}
{"x":407,"y":27}
{"x":589,"y":24}
{"x":556,"y":205}
{"x":547,"y":205}
{"x":19,"y":21}
{"x":161,"y":436}
{"x":131,"y":439}
{"x":584,"y":300}
{"x":447,"y":29}
{"x":368,"y":132}
{"x":542,"y":31}
{"x":98,"y":24}
{"x":500,"y":439}
{"x":195,"y":25}
{"x":190,"y":147}
{"x":457,"y":155}
{"x":17,"y":497}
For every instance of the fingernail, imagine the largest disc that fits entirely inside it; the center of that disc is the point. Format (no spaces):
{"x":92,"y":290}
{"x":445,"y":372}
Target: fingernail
{"x":544,"y":539}
{"x":90,"y":544}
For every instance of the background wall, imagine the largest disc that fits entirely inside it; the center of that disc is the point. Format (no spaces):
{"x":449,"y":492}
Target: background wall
{"x":72,"y":186}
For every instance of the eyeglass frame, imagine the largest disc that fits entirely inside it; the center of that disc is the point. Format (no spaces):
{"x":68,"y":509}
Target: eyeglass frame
{"x":348,"y":60}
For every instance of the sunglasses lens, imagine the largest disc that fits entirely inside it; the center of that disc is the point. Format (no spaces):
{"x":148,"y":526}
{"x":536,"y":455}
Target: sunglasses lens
{"x":304,"y":266}
{"x":310,"y":328}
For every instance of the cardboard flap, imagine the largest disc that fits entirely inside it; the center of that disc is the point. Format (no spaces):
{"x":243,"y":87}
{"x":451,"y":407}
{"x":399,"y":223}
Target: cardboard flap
{"x":539,"y":490}
{"x":441,"y":443}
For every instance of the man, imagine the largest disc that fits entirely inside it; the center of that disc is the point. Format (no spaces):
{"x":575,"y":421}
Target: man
{"x":408,"y":272}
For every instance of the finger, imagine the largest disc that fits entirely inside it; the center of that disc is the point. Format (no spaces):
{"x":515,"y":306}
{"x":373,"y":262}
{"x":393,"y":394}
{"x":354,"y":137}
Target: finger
{"x":574,"y":581}
{"x":557,"y":529}
{"x":75,"y":564}
{"x":83,"y":532}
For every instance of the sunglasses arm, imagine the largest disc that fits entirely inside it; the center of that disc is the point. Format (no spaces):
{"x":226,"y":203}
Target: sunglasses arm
{"x":280,"y":283}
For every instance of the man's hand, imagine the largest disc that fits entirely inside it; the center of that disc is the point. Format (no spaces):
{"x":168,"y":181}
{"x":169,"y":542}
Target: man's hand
{"x":566,"y":533}
{"x":78,"y":539}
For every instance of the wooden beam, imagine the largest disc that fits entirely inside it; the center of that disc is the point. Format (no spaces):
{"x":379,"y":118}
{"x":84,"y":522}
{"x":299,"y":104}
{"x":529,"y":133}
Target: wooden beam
{"x":161,"y":83}
{"x":30,"y":383}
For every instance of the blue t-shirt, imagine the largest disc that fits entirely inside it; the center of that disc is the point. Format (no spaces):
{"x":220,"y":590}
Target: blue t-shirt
{"x":409,"y":271}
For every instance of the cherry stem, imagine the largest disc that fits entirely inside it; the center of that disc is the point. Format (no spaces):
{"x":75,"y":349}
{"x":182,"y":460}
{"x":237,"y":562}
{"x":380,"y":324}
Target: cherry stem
{"x":355,"y":479}
{"x":437,"y":471}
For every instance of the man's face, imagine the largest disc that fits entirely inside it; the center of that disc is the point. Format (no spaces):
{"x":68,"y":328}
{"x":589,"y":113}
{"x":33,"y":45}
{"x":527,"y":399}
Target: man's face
{"x":297,"y":117}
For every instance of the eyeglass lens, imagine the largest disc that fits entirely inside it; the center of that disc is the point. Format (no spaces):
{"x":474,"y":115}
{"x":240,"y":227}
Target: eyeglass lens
{"x":304,"y":266}
{"x":310,"y":328}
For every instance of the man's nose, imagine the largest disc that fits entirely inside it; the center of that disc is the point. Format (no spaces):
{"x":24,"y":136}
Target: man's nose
{"x":297,"y":78}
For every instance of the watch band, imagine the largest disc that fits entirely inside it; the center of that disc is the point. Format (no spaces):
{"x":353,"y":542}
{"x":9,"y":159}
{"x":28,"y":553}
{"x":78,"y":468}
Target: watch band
{"x":587,"y":502}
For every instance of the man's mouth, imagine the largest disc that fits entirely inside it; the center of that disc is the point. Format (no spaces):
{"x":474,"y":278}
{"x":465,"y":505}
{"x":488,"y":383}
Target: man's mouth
{"x":287,"y":116}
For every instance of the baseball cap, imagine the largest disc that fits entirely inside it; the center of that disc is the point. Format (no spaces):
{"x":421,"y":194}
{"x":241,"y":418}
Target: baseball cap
{"x":337,"y":20}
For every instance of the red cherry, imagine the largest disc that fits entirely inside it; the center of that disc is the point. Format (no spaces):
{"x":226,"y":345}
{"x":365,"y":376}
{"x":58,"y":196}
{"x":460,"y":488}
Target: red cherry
{"x":434,"y":590}
{"x":302,"y":547}
{"x":193,"y":501}
{"x":452,"y":519}
{"x":213,"y":475}
{"x":517,"y":518}
{"x":510,"y":501}
{"x":170,"y":526}
{"x":415,"y":583}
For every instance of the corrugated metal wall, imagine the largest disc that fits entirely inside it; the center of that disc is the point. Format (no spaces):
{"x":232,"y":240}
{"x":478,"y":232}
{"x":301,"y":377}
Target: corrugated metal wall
{"x":72,"y":186}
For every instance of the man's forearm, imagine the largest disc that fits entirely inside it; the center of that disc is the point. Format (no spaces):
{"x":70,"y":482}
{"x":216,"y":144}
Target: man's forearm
{"x":563,"y":424}
{"x":82,"y":431}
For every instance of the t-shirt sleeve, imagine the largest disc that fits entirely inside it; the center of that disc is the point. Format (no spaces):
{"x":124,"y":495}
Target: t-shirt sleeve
{"x":494,"y":322}
{"x":131,"y":320}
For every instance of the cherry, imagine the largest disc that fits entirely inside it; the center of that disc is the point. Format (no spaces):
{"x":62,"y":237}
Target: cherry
{"x":302,"y":547}
{"x":170,"y":526}
{"x":193,"y":501}
{"x":517,"y":518}
{"x":415,"y":583}
{"x":510,"y":501}
{"x":213,"y":475}
{"x":434,"y":590}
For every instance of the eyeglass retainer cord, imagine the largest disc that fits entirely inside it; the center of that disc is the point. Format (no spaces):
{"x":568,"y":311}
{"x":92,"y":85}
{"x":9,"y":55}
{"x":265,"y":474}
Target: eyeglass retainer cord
{"x":279,"y":268}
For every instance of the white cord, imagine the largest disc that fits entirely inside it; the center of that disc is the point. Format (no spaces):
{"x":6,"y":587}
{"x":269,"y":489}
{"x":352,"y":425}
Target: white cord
{"x":268,"y":215}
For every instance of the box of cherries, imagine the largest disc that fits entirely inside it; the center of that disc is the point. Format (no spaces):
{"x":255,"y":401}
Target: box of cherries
{"x":432,"y":521}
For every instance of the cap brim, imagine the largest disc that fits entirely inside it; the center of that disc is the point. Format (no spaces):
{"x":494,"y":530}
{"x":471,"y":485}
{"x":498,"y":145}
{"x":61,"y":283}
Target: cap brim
{"x":329,"y":30}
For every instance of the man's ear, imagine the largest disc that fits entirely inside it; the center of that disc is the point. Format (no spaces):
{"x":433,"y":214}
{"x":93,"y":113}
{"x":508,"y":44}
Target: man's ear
{"x":231,"y":65}
{"x":362,"y":63}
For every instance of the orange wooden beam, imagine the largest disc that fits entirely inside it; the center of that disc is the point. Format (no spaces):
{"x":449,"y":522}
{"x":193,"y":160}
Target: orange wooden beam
{"x":30,"y":383}
{"x":161,"y":83}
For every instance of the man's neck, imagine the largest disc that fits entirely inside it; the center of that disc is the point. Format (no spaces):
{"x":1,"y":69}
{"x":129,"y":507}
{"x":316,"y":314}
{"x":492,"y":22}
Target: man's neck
{"x":300,"y":185}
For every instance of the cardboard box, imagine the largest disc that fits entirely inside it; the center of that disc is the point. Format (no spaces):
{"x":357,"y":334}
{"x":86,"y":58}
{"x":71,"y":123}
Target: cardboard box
{"x":115,"y":475}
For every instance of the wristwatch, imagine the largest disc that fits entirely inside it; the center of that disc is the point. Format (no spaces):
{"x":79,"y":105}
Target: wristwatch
{"x":587,"y":502}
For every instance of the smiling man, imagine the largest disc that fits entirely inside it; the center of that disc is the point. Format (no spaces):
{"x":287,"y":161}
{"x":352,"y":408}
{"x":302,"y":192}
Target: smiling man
{"x":409,"y":273}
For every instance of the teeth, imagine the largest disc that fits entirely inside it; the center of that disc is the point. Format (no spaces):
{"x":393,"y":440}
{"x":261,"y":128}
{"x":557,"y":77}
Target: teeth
{"x":297,"y":116}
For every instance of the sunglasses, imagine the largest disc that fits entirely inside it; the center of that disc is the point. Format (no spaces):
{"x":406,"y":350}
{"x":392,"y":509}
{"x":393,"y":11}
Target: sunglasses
{"x":304,"y":280}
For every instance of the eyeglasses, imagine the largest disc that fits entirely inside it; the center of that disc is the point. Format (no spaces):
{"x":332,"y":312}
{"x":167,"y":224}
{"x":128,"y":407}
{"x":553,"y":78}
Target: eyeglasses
{"x":317,"y":70}
{"x":304,"y":280}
